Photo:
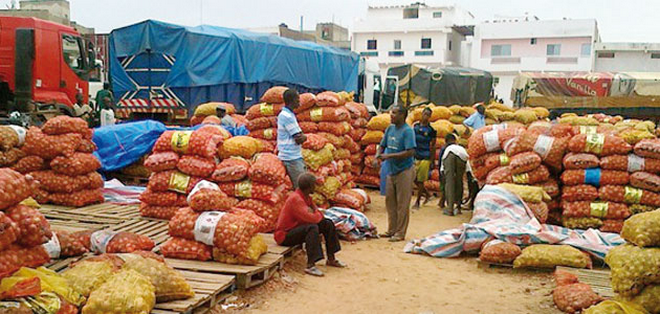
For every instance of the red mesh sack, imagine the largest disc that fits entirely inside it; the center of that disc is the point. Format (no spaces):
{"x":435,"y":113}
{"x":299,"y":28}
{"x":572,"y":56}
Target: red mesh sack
{"x":499,"y":252}
{"x":352,"y":146}
{"x":86,"y":146}
{"x":163,"y":198}
{"x":540,"y":211}
{"x":196,"y":166}
{"x":14,"y":188}
{"x":274,"y":95}
{"x":308,"y":127}
{"x":551,"y":149}
{"x":628,"y":195}
{"x":357,"y":134}
{"x":370,"y":149}
{"x":172,"y":180}
{"x":15,"y":257}
{"x":357,"y":110}
{"x":33,"y":228}
{"x":488,"y":139}
{"x":50,"y":146}
{"x":30,"y":163}
{"x":327,"y":99}
{"x":563,"y":278}
{"x":65,"y":124}
{"x":580,"y":161}
{"x":251,"y":218}
{"x":599,"y":144}
{"x":327,"y":114}
{"x":239,"y":119}
{"x":262,"y":123}
{"x":158,"y":211}
{"x":9,"y":158}
{"x":231,"y":169}
{"x":195,"y":120}
{"x":216,"y":130}
{"x":263,"y":110}
{"x":359,"y":122}
{"x":200,"y":143}
{"x":630,"y":163}
{"x":307,"y":100}
{"x":162,"y":161}
{"x":524,"y":162}
{"x":126,"y":242}
{"x":607,"y":210}
{"x":248,"y":189}
{"x":211,"y":120}
{"x":551,"y":187}
{"x":59,"y":183}
{"x":70,"y":245}
{"x":76,"y":165}
{"x":77,"y":199}
{"x":503,"y":175}
{"x":266,"y":146}
{"x":562,"y":130}
{"x":432,"y":185}
{"x":595,"y":177}
{"x":336,"y":128}
{"x":349,"y":198}
{"x":369,"y":180}
{"x":186,"y":249}
{"x":265,"y":134}
{"x":646,"y":181}
{"x":314,"y":142}
{"x":580,"y":192}
{"x":267,"y":211}
{"x":268,"y":169}
{"x":612,"y":225}
{"x":211,"y":199}
{"x":574,"y":297}
{"x":648,"y":148}
{"x":356,"y":159}
{"x":9,"y":231}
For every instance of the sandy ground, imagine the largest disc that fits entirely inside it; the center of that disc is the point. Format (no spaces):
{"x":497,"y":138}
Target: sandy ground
{"x":382,"y":279}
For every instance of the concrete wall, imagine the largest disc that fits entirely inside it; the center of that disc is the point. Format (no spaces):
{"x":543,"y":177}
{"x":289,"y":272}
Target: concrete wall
{"x":410,"y":42}
{"x":58,"y":8}
{"x":40,"y":14}
{"x":628,"y":57}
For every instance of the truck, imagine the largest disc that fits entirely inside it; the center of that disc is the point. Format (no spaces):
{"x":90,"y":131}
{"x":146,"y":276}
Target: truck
{"x":43,"y":66}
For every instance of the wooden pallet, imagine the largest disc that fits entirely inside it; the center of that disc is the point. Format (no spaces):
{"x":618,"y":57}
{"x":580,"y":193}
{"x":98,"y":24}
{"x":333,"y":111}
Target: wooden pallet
{"x":246,"y":276}
{"x":130,"y":180}
{"x":63,"y":263}
{"x":598,"y":279}
{"x":210,"y":289}
{"x":286,"y":251}
{"x":487,"y":265}
{"x":103,"y":210}
{"x":154,"y":229}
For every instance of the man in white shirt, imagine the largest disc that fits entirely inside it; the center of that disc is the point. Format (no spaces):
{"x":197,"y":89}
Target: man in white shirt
{"x":452,"y":166}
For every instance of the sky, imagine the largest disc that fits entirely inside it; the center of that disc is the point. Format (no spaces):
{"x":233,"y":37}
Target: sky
{"x":618,"y":20}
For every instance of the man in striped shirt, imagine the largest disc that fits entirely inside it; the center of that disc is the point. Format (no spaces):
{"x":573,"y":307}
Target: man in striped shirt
{"x":290,"y":137}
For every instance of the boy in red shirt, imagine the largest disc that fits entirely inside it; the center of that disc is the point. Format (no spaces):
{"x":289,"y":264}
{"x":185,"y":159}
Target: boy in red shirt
{"x":300,"y":221}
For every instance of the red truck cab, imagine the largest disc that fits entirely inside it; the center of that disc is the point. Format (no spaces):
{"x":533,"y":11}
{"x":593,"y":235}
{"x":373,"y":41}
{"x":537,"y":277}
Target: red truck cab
{"x":41,"y":62}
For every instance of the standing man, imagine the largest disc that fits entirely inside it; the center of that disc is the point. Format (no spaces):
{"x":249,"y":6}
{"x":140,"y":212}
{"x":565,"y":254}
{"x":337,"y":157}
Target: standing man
{"x":107,"y":114}
{"x":452,"y":166}
{"x":424,"y":154}
{"x":290,"y":137}
{"x":301,"y":222}
{"x":226,"y":120}
{"x":478,"y":119}
{"x":105,"y":92}
{"x":398,"y":148}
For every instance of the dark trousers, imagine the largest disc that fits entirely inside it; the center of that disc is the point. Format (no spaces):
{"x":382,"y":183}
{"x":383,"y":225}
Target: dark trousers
{"x":473,"y":187}
{"x":309,"y":234}
{"x":453,"y":171}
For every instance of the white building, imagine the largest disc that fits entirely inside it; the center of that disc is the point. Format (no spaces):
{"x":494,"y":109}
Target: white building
{"x":507,"y":46}
{"x":416,"y":33}
{"x":627,"y":57}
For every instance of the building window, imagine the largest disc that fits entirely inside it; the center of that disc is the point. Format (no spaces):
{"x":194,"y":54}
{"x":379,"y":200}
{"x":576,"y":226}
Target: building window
{"x":396,"y":53}
{"x":397,"y":44}
{"x":437,"y":15}
{"x":424,"y":53}
{"x":655,"y":55}
{"x":449,"y":45}
{"x":411,"y":13}
{"x":606,"y":55}
{"x":372,"y":44}
{"x":585,"y":49}
{"x":369,"y":53}
{"x":553,"y":49}
{"x":426,"y":43}
{"x":532,"y":41}
{"x":496,"y":80}
{"x":500,"y":50}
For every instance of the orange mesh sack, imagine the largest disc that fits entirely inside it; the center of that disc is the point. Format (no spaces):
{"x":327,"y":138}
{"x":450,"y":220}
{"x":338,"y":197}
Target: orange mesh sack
{"x":14,"y":188}
{"x":30,"y":163}
{"x":248,"y":189}
{"x":168,"y":198}
{"x":263,"y":110}
{"x":50,"y":146}
{"x":262,"y":123}
{"x":314,"y":142}
{"x":186,"y":249}
{"x":563,"y":278}
{"x":551,"y":149}
{"x":200,"y":143}
{"x":77,"y":199}
{"x":551,"y":187}
{"x":9,"y":158}
{"x":216,"y":130}
{"x":65,"y":124}
{"x":606,"y":210}
{"x":648,"y":148}
{"x":86,"y":146}
{"x":265,"y":134}
{"x":574,"y":297}
{"x":70,"y":245}
{"x":612,"y":225}
{"x":599,"y":144}
{"x":646,"y":181}
{"x":59,"y":183}
{"x":336,"y":128}
{"x":308,"y":127}
{"x":162,"y":161}
{"x":580,"y":161}
{"x":307,"y":100}
{"x":359,"y":122}
{"x":357,"y":134}
{"x":630,"y":163}
{"x":499,"y":252}
{"x":172,"y":180}
{"x":231,"y":169}
{"x":628,"y":195}
{"x":580,"y":192}
{"x":251,"y":217}
{"x":9,"y":137}
{"x":489,"y":139}
{"x":267,"y":211}
{"x":595,"y":177}
{"x":107,"y":241}
{"x":327,"y":99}
{"x":268,"y":169}
{"x":76,"y":165}
{"x":240,"y":146}
{"x":336,"y":141}
{"x":274,"y":95}
{"x":349,"y":198}
{"x":8,"y":231}
{"x":207,"y":196}
{"x":540,"y":211}
{"x":33,"y":227}
{"x":158,"y":211}
{"x":503,"y":175}
{"x":15,"y":257}
{"x":524,"y":162}
{"x":327,"y":114}
{"x":196,"y":166}
{"x":267,"y":146}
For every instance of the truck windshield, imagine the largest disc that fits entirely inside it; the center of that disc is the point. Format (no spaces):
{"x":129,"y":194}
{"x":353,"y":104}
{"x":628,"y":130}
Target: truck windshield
{"x":72,"y":51}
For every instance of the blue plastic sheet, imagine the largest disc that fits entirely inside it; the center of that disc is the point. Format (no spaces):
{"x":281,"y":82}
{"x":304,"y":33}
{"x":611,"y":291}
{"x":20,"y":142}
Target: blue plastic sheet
{"x":123,"y":144}
{"x":592,"y":176}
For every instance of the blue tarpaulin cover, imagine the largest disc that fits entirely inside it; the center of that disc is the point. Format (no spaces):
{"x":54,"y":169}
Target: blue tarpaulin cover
{"x":210,"y":63}
{"x":123,"y":144}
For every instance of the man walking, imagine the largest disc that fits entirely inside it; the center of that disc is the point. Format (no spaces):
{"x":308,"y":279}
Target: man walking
{"x":398,"y":148}
{"x":290,"y":137}
{"x":424,"y":154}
{"x":452,"y":166}
{"x":100,"y":95}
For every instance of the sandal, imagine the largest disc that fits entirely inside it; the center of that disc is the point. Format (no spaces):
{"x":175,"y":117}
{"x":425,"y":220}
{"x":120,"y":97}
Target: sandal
{"x":335,"y":263}
{"x":314,"y":271}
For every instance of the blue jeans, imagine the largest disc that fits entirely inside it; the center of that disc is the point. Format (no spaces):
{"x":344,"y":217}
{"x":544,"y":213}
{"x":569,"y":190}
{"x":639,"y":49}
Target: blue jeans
{"x":294,"y":168}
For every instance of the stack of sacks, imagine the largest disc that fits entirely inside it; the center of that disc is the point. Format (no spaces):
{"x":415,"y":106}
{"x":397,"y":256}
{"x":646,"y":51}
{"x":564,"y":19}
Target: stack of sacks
{"x":207,"y":230}
{"x":370,"y":141}
{"x":635,"y":272}
{"x":594,"y":196}
{"x":180,"y":159}
{"x":137,"y":169}
{"x":262,"y":118}
{"x":485,"y":148}
{"x":23,"y":230}
{"x":433,"y":183}
{"x":359,"y":119}
{"x":11,"y":138}
{"x":444,"y":121}
{"x":60,"y":157}
{"x":356,"y":199}
{"x":318,"y":154}
{"x":204,"y":111}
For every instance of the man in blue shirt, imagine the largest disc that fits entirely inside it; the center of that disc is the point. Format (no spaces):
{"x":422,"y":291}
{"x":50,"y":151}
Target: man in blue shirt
{"x":398,"y":148}
{"x":290,"y":137}
{"x":425,"y":136}
{"x":478,"y":119}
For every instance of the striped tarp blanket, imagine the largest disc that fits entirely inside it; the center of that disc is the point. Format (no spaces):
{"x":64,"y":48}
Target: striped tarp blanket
{"x":502,"y":215}
{"x":351,"y":225}
{"x":117,"y":193}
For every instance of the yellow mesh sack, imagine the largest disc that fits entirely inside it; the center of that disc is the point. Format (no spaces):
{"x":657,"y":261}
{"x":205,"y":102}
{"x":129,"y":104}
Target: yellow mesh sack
{"x":643,"y":229}
{"x":316,"y":159}
{"x":525,"y":116}
{"x":461,"y":130}
{"x":126,"y":292}
{"x":500,"y":107}
{"x":169,"y":283}
{"x":528,"y":193}
{"x":257,"y":247}
{"x":506,"y":116}
{"x":329,"y":187}
{"x":633,"y":268}
{"x":634,"y":136}
{"x":645,"y":126}
{"x":439,"y":112}
{"x":493,"y":114}
{"x":467,"y":111}
{"x":372,"y":137}
{"x":550,"y":256}
{"x":649,"y":299}
{"x":240,"y":146}
{"x":581,"y":222}
{"x":615,"y":307}
{"x":318,"y":199}
{"x":379,"y":122}
{"x":442,"y":128}
{"x":455,"y":109}
{"x":87,"y":276}
{"x":456,"y":119}
{"x":541,"y":112}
